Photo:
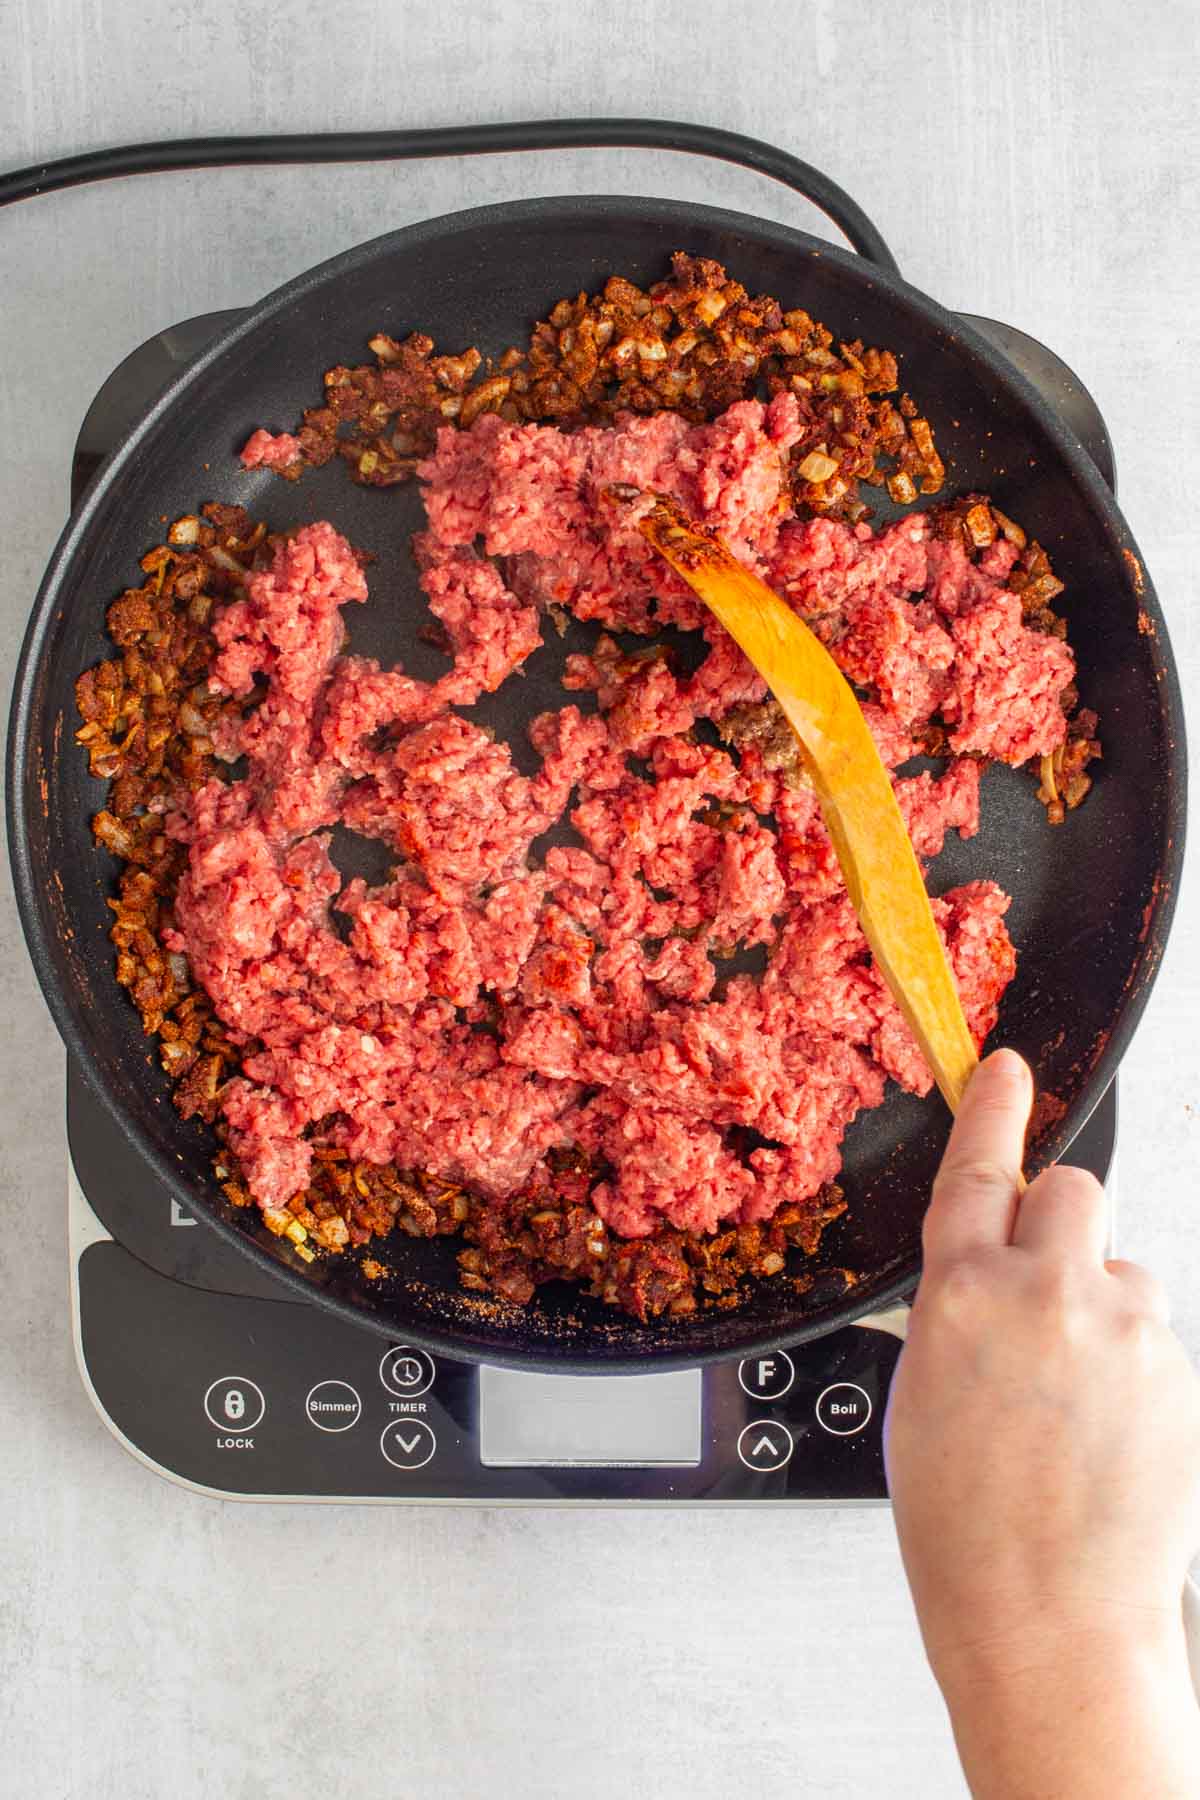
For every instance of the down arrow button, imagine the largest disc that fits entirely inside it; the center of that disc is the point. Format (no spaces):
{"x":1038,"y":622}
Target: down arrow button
{"x":408,"y":1443}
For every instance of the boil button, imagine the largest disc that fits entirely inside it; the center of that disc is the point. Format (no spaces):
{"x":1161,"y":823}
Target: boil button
{"x":843,"y":1408}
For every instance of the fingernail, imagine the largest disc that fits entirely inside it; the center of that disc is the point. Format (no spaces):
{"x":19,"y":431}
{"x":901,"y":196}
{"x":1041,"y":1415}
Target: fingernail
{"x":1009,"y":1064}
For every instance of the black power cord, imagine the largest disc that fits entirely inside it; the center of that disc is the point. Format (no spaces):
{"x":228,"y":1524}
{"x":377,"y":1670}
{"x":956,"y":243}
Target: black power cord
{"x":458,"y":140}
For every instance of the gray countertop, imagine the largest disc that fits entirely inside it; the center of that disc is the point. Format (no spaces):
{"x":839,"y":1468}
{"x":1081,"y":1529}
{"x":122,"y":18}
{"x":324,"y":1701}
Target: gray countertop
{"x":1034,"y":162}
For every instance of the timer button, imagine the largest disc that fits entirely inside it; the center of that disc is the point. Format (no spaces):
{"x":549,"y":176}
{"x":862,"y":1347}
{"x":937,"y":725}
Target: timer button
{"x":406,"y":1372}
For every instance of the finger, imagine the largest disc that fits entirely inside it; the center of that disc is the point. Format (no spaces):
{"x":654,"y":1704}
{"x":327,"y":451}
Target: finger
{"x":1064,"y":1213}
{"x":1143,"y":1289}
{"x":975,"y":1193}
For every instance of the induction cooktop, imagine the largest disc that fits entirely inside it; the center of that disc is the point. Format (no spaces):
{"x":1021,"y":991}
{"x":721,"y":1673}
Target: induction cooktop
{"x":212,"y":1377}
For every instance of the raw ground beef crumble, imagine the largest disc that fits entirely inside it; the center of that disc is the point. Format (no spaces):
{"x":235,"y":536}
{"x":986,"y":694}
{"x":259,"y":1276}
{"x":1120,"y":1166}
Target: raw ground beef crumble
{"x":548,"y":1035}
{"x":611,"y":1037}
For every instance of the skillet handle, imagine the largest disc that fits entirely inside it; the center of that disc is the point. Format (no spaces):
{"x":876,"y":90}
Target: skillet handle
{"x":894,"y":1322}
{"x":462,"y":140}
{"x":1191,"y":1629}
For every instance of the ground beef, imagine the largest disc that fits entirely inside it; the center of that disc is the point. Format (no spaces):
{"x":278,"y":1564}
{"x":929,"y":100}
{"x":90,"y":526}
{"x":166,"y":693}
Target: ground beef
{"x":609,"y":1036}
{"x":280,"y":452}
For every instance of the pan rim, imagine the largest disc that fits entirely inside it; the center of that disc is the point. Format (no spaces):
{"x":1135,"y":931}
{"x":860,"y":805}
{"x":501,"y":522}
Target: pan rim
{"x":22,"y":749}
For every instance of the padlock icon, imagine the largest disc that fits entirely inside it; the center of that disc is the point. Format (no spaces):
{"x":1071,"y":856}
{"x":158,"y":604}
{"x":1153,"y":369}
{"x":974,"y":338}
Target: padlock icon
{"x":235,"y":1401}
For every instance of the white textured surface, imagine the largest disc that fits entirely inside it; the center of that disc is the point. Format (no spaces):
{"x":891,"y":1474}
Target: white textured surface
{"x":1033,"y":162}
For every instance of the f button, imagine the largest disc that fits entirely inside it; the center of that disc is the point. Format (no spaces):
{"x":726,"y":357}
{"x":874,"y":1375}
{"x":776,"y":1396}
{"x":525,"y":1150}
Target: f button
{"x":767,"y":1377}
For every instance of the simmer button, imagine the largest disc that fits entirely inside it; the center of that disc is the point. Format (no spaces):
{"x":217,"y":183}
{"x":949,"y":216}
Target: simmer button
{"x":333,"y":1406}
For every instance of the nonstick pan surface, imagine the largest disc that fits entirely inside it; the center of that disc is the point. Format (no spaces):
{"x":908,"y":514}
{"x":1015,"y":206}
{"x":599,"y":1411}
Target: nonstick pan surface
{"x":1092,"y":899}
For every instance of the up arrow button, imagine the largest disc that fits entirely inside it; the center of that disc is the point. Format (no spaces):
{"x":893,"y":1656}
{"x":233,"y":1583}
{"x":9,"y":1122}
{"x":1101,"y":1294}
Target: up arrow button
{"x":765,"y":1445}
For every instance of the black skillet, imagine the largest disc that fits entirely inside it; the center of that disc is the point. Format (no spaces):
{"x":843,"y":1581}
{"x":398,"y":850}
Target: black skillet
{"x":1092,"y":900}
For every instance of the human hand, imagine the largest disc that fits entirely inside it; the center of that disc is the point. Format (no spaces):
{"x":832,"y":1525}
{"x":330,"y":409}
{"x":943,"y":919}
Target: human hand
{"x":1042,"y":1441}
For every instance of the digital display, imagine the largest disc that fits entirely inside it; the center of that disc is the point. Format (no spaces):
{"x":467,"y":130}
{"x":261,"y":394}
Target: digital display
{"x":535,"y":1421}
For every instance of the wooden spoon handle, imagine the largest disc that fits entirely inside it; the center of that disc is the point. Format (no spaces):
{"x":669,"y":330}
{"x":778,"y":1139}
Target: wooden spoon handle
{"x":856,"y":796}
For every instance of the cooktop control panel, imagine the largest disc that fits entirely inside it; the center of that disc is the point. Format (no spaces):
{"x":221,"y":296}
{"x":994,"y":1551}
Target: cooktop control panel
{"x":244,"y":1397}
{"x":204,"y":1371}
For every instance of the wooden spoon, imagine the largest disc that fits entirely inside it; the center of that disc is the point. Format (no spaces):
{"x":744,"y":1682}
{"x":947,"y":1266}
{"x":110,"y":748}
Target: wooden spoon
{"x":857,"y":800}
